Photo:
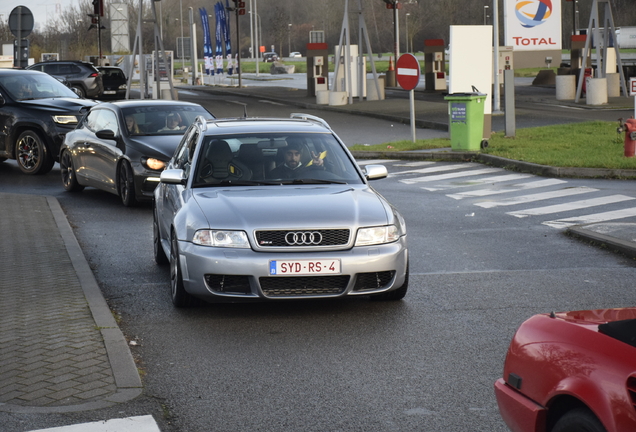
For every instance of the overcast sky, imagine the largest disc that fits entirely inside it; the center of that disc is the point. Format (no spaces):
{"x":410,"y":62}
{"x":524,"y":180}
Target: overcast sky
{"x":39,"y":8}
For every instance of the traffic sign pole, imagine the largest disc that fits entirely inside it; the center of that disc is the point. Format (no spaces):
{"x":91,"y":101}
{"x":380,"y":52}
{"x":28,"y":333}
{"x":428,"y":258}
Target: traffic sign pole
{"x":408,"y":76}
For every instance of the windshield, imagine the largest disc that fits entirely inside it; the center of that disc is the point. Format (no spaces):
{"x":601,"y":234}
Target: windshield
{"x":162,"y":119}
{"x":273,"y":158}
{"x":35,"y":86}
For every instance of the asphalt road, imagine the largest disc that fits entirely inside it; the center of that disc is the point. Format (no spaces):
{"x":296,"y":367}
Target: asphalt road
{"x":426,"y":363}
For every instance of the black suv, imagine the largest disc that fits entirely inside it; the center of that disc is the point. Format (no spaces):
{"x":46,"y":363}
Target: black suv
{"x":36,"y":112}
{"x":82,"y":77}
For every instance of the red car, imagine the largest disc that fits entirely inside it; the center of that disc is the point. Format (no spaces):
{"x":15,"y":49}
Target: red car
{"x":571,"y":372}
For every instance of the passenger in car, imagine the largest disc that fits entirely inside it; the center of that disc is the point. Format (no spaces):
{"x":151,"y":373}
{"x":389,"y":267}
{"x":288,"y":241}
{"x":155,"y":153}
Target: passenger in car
{"x":172,"y":123}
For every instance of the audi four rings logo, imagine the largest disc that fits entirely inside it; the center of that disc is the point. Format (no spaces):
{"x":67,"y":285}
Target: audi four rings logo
{"x":303,"y":238}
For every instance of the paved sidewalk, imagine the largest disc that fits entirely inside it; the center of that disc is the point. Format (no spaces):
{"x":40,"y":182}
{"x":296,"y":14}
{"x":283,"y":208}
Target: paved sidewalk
{"x":60,"y":347}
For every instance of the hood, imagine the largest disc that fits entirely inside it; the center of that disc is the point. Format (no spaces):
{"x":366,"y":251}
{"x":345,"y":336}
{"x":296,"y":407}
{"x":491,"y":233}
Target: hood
{"x":150,"y":145}
{"x":283,"y":207}
{"x":59,"y":105}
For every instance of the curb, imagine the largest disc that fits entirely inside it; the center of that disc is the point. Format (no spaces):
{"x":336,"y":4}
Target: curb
{"x":597,"y":239}
{"x":122,"y":364}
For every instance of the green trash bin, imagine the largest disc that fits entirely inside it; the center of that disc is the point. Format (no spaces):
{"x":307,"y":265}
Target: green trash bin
{"x":466,"y":121}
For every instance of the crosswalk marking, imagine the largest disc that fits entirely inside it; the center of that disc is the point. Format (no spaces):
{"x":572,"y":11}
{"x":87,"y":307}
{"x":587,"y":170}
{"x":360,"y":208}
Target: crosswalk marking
{"x":576,"y":205}
{"x":374,"y":161}
{"x":519,"y":187}
{"x":144,"y":423}
{"x":537,"y":197}
{"x":434,"y":177}
{"x":433,"y":169}
{"x":450,"y":175}
{"x":477,"y":182}
{"x":593,"y":218}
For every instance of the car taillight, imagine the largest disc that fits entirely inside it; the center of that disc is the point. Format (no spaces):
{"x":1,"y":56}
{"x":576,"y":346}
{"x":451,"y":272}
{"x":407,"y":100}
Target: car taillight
{"x":94,"y":74}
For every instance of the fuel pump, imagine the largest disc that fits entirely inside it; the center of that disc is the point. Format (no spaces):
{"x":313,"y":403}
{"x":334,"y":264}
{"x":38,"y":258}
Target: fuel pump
{"x":320,"y":81}
{"x":434,"y":64}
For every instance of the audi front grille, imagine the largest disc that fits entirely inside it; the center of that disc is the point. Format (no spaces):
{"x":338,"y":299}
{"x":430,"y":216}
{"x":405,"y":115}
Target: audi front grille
{"x":300,"y":238}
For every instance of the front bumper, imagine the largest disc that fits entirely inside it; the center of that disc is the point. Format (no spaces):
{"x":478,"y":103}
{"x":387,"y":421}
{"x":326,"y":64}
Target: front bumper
{"x":520,"y":413}
{"x":233,"y":274}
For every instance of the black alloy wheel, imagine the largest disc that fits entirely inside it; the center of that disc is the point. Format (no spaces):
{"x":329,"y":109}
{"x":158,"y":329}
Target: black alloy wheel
{"x":126,"y":184}
{"x":32,"y":154}
{"x":69,"y":179}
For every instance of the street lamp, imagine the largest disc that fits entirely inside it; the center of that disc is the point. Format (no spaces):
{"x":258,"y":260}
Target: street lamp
{"x":486,"y":15}
{"x":289,"y":26}
{"x":182,"y":53}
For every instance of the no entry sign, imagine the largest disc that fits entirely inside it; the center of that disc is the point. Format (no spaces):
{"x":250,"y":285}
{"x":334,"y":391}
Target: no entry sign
{"x":408,"y":71}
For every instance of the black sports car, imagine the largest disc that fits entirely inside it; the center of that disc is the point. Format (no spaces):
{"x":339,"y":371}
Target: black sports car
{"x":122,"y":147}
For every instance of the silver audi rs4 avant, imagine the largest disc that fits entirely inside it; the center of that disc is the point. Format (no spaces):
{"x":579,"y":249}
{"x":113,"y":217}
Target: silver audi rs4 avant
{"x":255,"y":209}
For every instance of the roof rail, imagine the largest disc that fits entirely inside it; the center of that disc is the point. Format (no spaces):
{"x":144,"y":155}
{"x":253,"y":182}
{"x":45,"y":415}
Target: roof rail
{"x":202,"y":121}
{"x":310,"y":117}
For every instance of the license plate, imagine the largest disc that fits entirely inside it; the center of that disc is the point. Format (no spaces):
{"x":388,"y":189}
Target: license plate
{"x":109,"y":92}
{"x":304,"y":267}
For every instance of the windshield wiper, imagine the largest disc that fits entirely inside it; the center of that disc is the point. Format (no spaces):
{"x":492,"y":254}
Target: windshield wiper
{"x":247,"y":183}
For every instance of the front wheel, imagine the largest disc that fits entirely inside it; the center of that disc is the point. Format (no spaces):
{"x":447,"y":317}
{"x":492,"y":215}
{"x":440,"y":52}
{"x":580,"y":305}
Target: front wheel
{"x":578,"y":420}
{"x":69,"y":178}
{"x":160,"y":255}
{"x":79,"y":91}
{"x":126,"y":185}
{"x":180,"y":297}
{"x":32,"y":154}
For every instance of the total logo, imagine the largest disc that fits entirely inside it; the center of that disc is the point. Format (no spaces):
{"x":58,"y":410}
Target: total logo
{"x":532,"y":13}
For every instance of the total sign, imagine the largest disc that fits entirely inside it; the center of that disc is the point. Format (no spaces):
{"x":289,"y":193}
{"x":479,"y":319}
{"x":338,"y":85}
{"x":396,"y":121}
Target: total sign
{"x":533,"y":25}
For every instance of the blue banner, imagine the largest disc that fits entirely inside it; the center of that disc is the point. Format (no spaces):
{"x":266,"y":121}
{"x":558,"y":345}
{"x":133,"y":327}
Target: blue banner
{"x":218,"y":11}
{"x":207,"y":44}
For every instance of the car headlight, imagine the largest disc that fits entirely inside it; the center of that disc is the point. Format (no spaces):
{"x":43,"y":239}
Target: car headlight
{"x":153,"y":164}
{"x":377,"y":235}
{"x":217,"y":238}
{"x":65,"y":119}
{"x":123,"y":87}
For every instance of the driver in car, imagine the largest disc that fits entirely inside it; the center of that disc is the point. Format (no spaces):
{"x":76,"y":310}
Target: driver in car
{"x":292,"y":165}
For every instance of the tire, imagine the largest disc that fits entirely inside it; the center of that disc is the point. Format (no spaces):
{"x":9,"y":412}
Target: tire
{"x":32,"y":154}
{"x":180,"y":298}
{"x":79,"y":90}
{"x":578,"y":420}
{"x":397,"y":294}
{"x":69,"y":178}
{"x":126,"y":185}
{"x":160,"y":256}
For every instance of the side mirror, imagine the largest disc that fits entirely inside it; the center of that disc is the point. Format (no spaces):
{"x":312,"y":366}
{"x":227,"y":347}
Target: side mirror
{"x":375,"y":172}
{"x":105,"y":134}
{"x":173,"y":176}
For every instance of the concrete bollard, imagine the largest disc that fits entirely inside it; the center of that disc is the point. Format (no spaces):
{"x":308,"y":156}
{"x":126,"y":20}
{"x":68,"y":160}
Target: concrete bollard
{"x":372,"y":94}
{"x":596,"y":91}
{"x":613,"y":85}
{"x":337,"y":98}
{"x":322,"y":97}
{"x":565,"y":87}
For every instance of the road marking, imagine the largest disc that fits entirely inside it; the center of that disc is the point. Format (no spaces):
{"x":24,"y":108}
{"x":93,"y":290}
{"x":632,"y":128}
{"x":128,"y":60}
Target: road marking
{"x":451,"y":175}
{"x":413,"y":164}
{"x":537,"y":197}
{"x":477,"y":182}
{"x":131,"y":424}
{"x":593,"y":218}
{"x":272,"y":102}
{"x":238,"y":103}
{"x":374,"y":161}
{"x":576,"y":205}
{"x":520,"y":187}
{"x":434,"y":169}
